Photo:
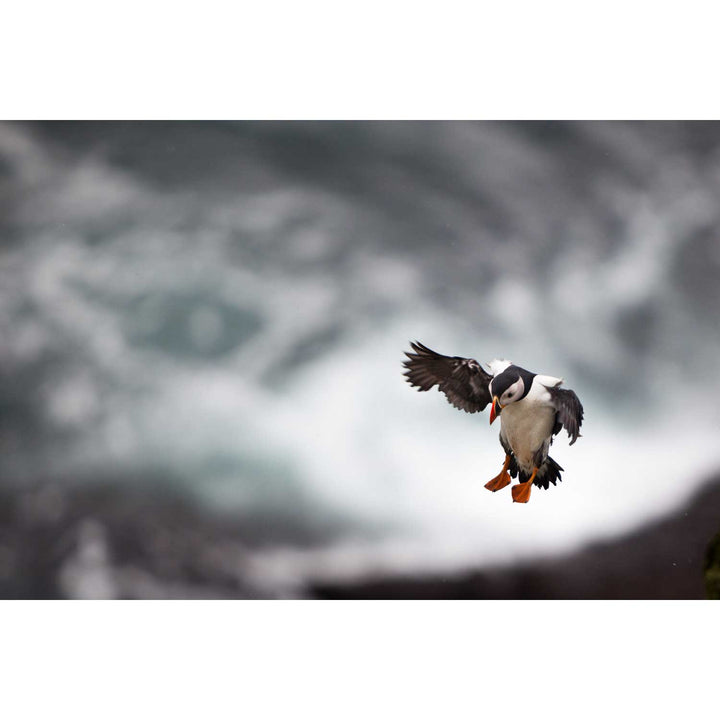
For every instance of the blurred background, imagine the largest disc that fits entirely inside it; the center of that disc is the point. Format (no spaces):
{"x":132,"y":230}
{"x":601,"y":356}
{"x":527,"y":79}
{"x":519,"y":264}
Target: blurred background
{"x":202,"y":329}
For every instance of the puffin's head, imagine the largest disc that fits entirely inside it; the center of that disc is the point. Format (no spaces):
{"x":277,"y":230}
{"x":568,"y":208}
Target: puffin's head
{"x":506,"y":388}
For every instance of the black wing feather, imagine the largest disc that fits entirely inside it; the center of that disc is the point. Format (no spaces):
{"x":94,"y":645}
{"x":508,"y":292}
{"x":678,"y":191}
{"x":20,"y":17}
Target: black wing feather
{"x":569,"y":413}
{"x":463,"y":380}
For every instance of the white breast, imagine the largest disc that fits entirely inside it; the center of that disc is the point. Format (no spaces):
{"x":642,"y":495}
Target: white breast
{"x":527,"y":425}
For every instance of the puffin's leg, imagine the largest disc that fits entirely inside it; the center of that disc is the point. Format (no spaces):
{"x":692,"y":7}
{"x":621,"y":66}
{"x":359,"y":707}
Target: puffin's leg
{"x":502,"y":480}
{"x":521,"y":492}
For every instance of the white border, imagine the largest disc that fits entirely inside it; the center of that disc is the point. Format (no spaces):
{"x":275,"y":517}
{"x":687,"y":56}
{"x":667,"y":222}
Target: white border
{"x":279,"y":659}
{"x":375,"y":60}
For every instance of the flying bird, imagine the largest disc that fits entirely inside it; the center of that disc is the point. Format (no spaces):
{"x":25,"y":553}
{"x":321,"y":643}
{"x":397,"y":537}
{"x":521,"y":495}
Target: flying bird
{"x":532,"y":409}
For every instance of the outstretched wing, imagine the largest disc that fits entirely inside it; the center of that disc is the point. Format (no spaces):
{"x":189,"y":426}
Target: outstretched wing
{"x":463,"y":380}
{"x":569,"y":413}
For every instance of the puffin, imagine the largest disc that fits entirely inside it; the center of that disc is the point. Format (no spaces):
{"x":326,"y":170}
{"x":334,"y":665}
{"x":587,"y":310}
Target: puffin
{"x":532,"y":408}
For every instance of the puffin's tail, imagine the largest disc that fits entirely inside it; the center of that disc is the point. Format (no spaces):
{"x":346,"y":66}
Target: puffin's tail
{"x":549,"y":472}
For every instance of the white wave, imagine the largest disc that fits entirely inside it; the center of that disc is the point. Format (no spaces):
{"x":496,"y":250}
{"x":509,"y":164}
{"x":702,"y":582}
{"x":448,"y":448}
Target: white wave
{"x":379,"y":448}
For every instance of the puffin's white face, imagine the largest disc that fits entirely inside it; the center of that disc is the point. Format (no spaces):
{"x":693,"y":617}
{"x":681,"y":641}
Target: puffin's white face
{"x":513,"y":393}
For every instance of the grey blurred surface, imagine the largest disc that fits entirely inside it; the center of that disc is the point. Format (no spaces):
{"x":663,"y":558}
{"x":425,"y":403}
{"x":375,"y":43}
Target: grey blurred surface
{"x":203,"y":323}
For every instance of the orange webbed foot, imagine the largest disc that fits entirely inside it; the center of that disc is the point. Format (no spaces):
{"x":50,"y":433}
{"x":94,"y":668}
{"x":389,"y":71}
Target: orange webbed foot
{"x":499,"y":482}
{"x":502,"y":479}
{"x":521,"y":492}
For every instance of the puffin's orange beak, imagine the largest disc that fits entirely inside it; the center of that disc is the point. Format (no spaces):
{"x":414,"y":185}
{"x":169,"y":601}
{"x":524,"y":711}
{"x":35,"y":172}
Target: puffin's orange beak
{"x":495,"y":409}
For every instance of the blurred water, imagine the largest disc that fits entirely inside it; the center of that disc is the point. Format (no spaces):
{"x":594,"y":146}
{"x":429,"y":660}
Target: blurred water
{"x":222,"y":308}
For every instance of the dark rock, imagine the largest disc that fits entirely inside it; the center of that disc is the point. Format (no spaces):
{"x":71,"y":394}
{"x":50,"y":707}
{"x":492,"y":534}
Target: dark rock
{"x":663,"y":560}
{"x":108,"y":542}
{"x":121,"y":541}
{"x":712,"y":569}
